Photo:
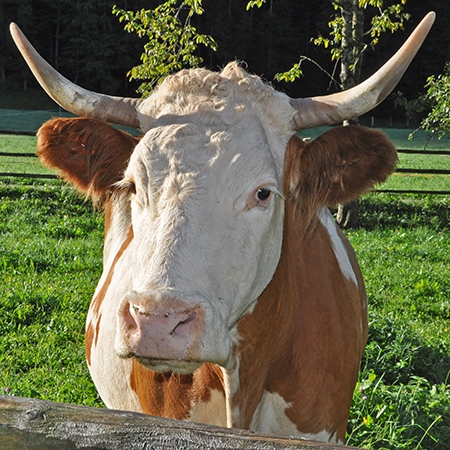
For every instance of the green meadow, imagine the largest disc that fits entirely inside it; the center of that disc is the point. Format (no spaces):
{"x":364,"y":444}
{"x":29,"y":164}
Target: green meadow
{"x":51,"y":258}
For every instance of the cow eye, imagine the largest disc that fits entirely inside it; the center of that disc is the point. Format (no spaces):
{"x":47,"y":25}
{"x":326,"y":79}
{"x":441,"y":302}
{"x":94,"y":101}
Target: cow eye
{"x":128,"y":186}
{"x":132,"y":187}
{"x":262,"y":195}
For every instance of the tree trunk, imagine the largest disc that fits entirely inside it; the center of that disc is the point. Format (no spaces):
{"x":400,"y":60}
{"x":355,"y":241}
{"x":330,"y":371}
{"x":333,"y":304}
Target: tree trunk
{"x":347,"y":216}
{"x":352,"y":43}
{"x":351,"y":61}
{"x":30,"y":424}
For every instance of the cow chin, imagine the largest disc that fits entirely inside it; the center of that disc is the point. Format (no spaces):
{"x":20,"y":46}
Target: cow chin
{"x":159,"y":365}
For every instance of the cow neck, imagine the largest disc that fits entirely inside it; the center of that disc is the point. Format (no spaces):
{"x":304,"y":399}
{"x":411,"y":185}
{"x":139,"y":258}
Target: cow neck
{"x":307,"y":297}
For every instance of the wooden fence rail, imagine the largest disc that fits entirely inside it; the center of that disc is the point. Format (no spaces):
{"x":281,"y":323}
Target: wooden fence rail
{"x":31,"y":424}
{"x":394,"y":191}
{"x":420,"y":171}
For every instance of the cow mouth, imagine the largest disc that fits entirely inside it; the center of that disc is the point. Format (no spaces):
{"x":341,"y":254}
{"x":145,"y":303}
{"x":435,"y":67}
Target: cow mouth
{"x":168,"y":365}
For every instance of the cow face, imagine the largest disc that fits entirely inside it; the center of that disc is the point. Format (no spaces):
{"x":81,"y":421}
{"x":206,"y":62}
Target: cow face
{"x":205,"y":212}
{"x":194,"y":223}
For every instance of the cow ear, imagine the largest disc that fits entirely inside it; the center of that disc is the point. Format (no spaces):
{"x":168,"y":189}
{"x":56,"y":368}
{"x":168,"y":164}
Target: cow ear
{"x":90,"y":154}
{"x":337,"y":167}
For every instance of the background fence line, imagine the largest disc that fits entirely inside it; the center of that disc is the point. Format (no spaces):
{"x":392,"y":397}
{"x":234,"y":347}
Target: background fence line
{"x":394,"y":191}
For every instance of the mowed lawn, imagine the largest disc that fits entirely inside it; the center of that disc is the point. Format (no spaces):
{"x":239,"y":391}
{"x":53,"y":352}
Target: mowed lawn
{"x":50,"y":262}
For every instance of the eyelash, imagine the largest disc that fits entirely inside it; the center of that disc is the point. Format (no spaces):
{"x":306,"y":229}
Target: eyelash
{"x":127,"y":186}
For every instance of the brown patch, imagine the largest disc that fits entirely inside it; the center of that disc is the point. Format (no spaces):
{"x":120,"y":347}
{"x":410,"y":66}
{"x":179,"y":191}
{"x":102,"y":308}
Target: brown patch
{"x":107,"y":213}
{"x":206,"y":378}
{"x":91,"y":154}
{"x":98,"y":300}
{"x":161,"y":394}
{"x":88,"y":339}
{"x":170,"y":394}
{"x":304,"y":339}
{"x":337,"y":167}
{"x":91,"y":334}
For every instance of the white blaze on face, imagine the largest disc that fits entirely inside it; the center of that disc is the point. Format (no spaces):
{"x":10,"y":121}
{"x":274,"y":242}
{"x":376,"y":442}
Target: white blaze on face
{"x":207,"y":222}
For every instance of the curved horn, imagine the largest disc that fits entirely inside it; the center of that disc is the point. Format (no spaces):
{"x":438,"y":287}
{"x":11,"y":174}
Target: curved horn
{"x":354,"y":102}
{"x":79,"y":101}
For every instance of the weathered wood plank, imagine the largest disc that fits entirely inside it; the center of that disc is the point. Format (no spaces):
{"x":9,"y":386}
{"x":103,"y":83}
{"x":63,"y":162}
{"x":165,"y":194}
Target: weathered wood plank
{"x":37,"y":425}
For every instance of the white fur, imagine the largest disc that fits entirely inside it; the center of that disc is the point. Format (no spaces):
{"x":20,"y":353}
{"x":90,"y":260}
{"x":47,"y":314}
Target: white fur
{"x":212,"y":412}
{"x":199,"y":236}
{"x":338,"y":246}
{"x":270,"y":417}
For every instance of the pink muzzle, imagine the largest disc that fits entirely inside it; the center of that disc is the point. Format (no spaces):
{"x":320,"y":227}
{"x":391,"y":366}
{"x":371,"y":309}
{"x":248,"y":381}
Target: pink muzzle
{"x":160,"y":327}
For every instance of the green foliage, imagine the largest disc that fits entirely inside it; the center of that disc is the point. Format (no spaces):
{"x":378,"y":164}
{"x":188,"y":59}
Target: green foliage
{"x":391,"y":18}
{"x":257,"y":3}
{"x":437,"y":123}
{"x":172,"y":40}
{"x":435,"y":103}
{"x":292,"y":74}
{"x":415,"y":108}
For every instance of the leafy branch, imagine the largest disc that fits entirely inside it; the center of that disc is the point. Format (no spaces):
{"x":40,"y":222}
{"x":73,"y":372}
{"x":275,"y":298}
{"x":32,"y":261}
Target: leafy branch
{"x":172,"y":40}
{"x":437,"y":123}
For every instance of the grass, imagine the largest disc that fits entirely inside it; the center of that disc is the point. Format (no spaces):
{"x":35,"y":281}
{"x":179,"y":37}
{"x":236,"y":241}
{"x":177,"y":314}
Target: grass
{"x":50,"y":262}
{"x":403,"y":399}
{"x":10,"y":143}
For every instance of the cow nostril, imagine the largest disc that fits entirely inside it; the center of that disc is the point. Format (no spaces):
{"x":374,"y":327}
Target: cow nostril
{"x":180,"y":324}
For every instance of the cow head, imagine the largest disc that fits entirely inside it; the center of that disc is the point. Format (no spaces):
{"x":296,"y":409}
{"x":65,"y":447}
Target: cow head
{"x":194,"y":209}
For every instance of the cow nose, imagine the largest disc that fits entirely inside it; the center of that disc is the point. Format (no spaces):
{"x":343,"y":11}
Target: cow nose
{"x":163,"y":329}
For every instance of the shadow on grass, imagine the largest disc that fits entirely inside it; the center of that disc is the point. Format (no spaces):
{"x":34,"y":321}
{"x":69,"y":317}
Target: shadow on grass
{"x":399,"y":353}
{"x":382,"y":211}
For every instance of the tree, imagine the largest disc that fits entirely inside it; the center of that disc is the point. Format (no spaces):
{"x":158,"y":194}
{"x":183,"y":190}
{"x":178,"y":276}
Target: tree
{"x":437,"y":123}
{"x":172,"y":40}
{"x":347,"y":44}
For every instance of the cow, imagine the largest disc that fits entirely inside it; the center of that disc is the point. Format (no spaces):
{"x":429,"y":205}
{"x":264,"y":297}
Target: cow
{"x":228,"y":296}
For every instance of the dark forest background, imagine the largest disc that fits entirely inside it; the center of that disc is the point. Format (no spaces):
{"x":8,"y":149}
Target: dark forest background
{"x":88,"y":45}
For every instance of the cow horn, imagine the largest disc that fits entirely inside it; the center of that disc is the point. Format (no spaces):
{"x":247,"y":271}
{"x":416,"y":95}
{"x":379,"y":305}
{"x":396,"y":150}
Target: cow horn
{"x":79,"y":101}
{"x":330,"y":109}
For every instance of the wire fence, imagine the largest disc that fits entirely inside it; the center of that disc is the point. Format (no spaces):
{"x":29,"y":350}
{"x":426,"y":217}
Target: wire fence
{"x":35,"y":163}
{"x":14,"y":122}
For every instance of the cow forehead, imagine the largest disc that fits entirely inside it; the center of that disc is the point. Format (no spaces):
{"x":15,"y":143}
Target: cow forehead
{"x":231,"y":100}
{"x":231,"y":155}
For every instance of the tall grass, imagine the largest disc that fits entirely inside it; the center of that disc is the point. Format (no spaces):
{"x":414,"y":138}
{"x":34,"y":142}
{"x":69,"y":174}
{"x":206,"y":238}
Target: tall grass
{"x":403,"y":398}
{"x":50,"y":261}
